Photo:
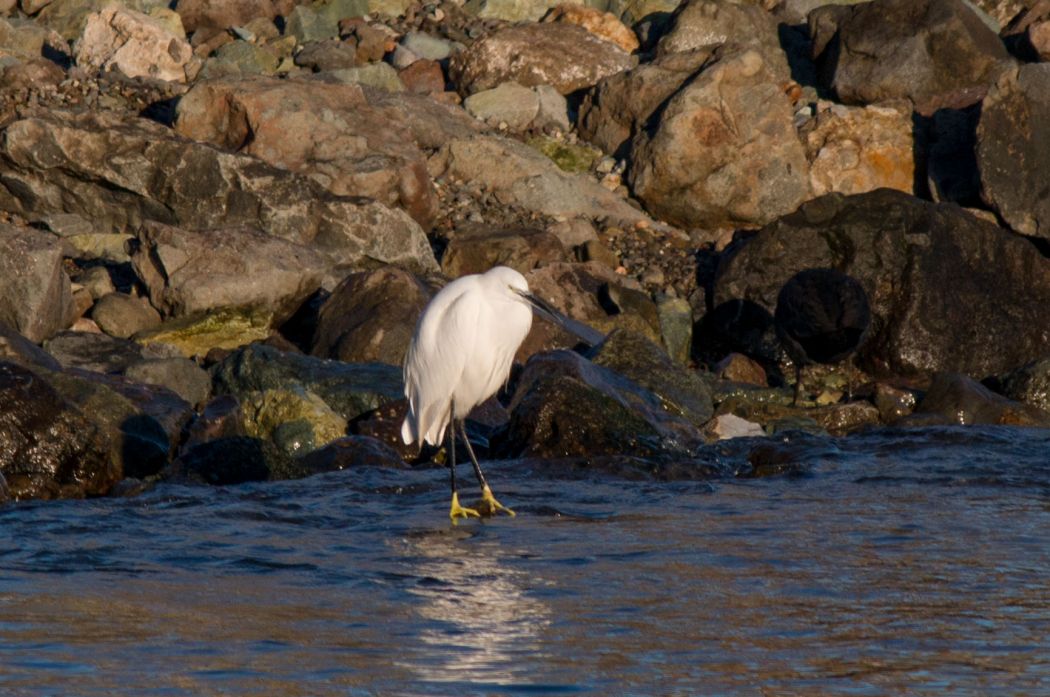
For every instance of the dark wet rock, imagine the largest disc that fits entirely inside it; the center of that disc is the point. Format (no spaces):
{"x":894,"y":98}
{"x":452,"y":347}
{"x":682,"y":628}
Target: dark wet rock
{"x":1029,"y":384}
{"x":35,"y":296}
{"x":1013,"y":149}
{"x":195,"y":336}
{"x":63,"y":162}
{"x":836,"y":419}
{"x":234,"y":460}
{"x":121,"y":315}
{"x":893,"y":403}
{"x":724,"y":151}
{"x":479,"y":249}
{"x":296,"y":420}
{"x":565,"y":405}
{"x":349,"y":389}
{"x":957,"y":399}
{"x":351,"y":452}
{"x":48,"y":448}
{"x":736,"y":367}
{"x":195,"y":272}
{"x":793,"y":453}
{"x":936,"y":53}
{"x":370,"y":149}
{"x":681,"y":392}
{"x":621,"y":104}
{"x":180,"y":375}
{"x":676,"y":327}
{"x":384,"y":424}
{"x":18,"y":349}
{"x":219,"y":418}
{"x":100,"y":353}
{"x":564,"y":56}
{"x":370,"y":316}
{"x":947,"y":291}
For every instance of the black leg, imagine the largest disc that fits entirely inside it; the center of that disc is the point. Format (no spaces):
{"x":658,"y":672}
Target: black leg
{"x":798,"y":384}
{"x":489,"y":505}
{"x":457,"y":511}
{"x":473,"y":457}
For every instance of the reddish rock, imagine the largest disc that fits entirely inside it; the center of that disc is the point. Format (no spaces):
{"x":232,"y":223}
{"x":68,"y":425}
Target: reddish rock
{"x":739,"y":368}
{"x":423,"y":77}
{"x":604,"y":25}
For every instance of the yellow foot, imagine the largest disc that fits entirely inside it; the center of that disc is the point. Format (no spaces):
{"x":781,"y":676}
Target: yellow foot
{"x":460,"y":512}
{"x":489,"y":506}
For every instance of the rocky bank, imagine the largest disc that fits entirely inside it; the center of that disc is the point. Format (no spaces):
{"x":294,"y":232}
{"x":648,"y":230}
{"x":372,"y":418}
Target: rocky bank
{"x":219,"y":222}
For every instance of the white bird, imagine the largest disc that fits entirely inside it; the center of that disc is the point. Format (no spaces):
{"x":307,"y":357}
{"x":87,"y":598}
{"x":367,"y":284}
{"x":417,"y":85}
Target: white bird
{"x":460,"y":354}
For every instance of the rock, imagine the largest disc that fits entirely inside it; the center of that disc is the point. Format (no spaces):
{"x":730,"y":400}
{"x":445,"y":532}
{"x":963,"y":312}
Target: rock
{"x":349,"y":389}
{"x":634,"y":12}
{"x":679,"y":389}
{"x":726,"y":426}
{"x":35,"y":295}
{"x":935,"y":53}
{"x":15,"y":348}
{"x":554,"y":110}
{"x":206,"y":18}
{"x":509,"y":10}
{"x":195,"y":335}
{"x":121,"y":315}
{"x":180,"y":375}
{"x":349,"y":140}
{"x":604,"y":25}
{"x":134,"y":43}
{"x":370,"y":316}
{"x":948,"y":292}
{"x":295,"y":420}
{"x":1029,"y":384}
{"x":427,"y":46}
{"x":423,"y":77}
{"x":893,"y":404}
{"x":49,"y":449}
{"x":567,"y":406}
{"x":570,"y":157}
{"x":564,"y":56}
{"x":28,"y":40}
{"x":508,"y":105}
{"x":1013,"y":149}
{"x":330,"y":54}
{"x":676,"y":327}
{"x":381,"y":76}
{"x":351,"y":452}
{"x":69,"y":17}
{"x":517,"y":174}
{"x":704,"y":23}
{"x":620,"y":105}
{"x":724,"y":152}
{"x":320,"y":20}
{"x":79,"y":164}
{"x":239,"y":58}
{"x":957,"y":399}
{"x":234,"y":460}
{"x":219,"y":418}
{"x":856,"y":149}
{"x":478,"y":250}
{"x":100,"y":353}
{"x":574,"y":232}
{"x":190,"y":273}
{"x":736,"y":367}
{"x":834,"y":419}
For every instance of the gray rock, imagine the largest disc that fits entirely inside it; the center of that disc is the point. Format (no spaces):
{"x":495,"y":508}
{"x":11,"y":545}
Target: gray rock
{"x":508,"y":104}
{"x":509,"y":10}
{"x":99,"y":353}
{"x":180,"y":375}
{"x":330,"y":54}
{"x":564,"y":56}
{"x":724,"y":152}
{"x":936,"y":53}
{"x":382,"y":76}
{"x":351,"y":452}
{"x":427,"y":46}
{"x":320,"y":20}
{"x":79,"y":163}
{"x":97,"y":281}
{"x":121,"y":315}
{"x":51,"y":450}
{"x":239,"y":58}
{"x":35,"y":295}
{"x":193,"y":272}
{"x":676,"y":328}
{"x":234,"y":460}
{"x":27,"y":39}
{"x":1013,"y":149}
{"x":370,"y":316}
{"x":948,"y":291}
{"x":15,"y":348}
{"x":522,"y":249}
{"x":1029,"y":384}
{"x":554,"y":109}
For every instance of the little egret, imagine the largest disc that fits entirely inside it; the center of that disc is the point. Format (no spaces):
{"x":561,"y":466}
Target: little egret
{"x":822,"y":316}
{"x":460,"y":354}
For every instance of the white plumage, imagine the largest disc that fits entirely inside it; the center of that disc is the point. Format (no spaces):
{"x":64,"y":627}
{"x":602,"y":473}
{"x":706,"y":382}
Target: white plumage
{"x":462,"y":349}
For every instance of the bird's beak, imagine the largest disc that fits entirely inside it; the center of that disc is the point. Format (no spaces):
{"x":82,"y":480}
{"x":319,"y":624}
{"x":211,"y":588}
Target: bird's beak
{"x":583,"y":332}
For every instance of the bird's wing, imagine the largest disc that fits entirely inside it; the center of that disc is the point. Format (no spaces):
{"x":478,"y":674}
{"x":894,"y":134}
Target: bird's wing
{"x":434,"y":366}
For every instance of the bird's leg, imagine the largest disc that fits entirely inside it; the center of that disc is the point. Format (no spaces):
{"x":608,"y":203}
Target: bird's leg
{"x":456,"y":511}
{"x":798,"y":384}
{"x":489,"y":504}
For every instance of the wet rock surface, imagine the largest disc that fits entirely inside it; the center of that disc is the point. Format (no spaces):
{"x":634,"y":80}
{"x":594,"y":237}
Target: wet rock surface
{"x":221,"y":221}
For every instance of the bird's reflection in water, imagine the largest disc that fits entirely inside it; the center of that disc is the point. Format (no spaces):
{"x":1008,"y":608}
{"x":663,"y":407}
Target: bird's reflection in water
{"x":478,"y":615}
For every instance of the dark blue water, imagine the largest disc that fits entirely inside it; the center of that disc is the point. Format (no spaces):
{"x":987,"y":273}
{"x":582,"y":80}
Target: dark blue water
{"x":899,"y":562}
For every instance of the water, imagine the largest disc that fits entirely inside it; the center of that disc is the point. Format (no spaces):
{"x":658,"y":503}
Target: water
{"x":899,"y":562}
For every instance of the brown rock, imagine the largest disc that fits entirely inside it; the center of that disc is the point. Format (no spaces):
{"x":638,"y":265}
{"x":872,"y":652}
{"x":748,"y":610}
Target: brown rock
{"x":564,"y":56}
{"x":604,"y":25}
{"x":423,"y":77}
{"x":206,"y":18}
{"x":737,"y":367}
{"x":136,"y":44}
{"x":35,"y":295}
{"x":478,"y":250}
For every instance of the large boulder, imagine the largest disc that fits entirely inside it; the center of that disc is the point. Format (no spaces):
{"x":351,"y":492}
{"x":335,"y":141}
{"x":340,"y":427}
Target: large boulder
{"x":48,"y":448}
{"x":136,"y":44}
{"x":724,"y":151}
{"x":1013,"y":149}
{"x":344,"y":136}
{"x":565,"y":56}
{"x":370,"y":316}
{"x":193,"y":272}
{"x":948,"y":291}
{"x":120,"y":172}
{"x":35,"y":295}
{"x":206,"y":18}
{"x":936,"y":53}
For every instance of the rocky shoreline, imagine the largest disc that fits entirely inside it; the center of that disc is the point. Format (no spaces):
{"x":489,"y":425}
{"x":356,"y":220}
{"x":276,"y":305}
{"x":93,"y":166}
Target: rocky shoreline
{"x":220,"y":221}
